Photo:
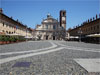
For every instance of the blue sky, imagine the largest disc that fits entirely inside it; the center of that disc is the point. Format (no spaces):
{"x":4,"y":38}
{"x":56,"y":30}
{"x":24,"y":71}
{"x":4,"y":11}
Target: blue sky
{"x":31,"y":12}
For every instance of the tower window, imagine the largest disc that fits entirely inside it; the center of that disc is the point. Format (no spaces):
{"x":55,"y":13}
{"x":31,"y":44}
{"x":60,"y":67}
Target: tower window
{"x":63,"y":22}
{"x":63,"y":14}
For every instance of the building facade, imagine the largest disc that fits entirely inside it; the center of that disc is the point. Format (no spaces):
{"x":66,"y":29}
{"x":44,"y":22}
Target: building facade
{"x":89,"y":29}
{"x":52,"y":29}
{"x":8,"y":26}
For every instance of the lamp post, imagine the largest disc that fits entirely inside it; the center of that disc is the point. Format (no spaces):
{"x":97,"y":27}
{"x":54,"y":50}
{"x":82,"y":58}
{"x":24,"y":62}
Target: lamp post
{"x":39,"y":36}
{"x":80,"y":33}
{"x":26,"y":33}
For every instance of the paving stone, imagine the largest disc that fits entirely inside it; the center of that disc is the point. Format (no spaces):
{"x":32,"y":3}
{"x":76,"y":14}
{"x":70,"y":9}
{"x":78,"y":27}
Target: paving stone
{"x":55,"y":63}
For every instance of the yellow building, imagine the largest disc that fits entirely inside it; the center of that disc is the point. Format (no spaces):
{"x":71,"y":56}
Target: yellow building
{"x":9,"y":26}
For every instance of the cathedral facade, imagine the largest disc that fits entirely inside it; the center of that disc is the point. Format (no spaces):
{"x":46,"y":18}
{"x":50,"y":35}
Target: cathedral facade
{"x":52,"y":29}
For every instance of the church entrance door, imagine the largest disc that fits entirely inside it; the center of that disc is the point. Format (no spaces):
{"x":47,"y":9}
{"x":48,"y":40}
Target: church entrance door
{"x":46,"y":37}
{"x":53,"y":37}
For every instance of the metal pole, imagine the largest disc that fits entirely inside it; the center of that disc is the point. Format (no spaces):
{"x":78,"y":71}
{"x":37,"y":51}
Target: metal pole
{"x":26,"y":33}
{"x":80,"y":37}
{"x":80,"y":31}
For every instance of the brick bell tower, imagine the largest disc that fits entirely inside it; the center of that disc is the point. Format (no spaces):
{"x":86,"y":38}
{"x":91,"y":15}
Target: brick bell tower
{"x":63,"y":18}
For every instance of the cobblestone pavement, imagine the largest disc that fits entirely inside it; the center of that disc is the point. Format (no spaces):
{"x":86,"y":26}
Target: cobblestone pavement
{"x":24,"y":46}
{"x":46,"y":58}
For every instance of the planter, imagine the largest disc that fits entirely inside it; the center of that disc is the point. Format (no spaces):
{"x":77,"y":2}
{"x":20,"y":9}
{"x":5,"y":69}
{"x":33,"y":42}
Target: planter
{"x":7,"y":42}
{"x":4,"y":42}
{"x":1,"y":42}
{"x":12,"y":42}
{"x":17,"y":41}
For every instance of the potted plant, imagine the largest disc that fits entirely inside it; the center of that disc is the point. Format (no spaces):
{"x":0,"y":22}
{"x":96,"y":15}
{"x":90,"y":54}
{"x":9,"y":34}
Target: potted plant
{"x":1,"y":41}
{"x":4,"y":39}
{"x":10,"y":39}
{"x":7,"y":40}
{"x":17,"y":39}
{"x":13,"y":39}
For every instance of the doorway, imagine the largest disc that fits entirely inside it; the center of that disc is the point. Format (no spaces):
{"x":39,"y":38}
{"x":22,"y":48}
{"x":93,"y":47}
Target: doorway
{"x":46,"y":37}
{"x":53,"y":37}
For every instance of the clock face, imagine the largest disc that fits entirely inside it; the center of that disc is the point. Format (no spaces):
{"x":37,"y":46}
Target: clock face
{"x":63,"y":18}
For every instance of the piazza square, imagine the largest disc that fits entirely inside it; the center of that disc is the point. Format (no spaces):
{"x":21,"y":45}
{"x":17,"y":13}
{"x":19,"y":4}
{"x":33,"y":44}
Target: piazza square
{"x":49,"y":37}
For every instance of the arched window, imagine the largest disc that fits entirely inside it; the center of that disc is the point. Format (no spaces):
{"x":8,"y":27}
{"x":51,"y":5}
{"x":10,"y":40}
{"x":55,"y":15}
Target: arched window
{"x":3,"y":23}
{"x":3,"y":31}
{"x":7,"y":32}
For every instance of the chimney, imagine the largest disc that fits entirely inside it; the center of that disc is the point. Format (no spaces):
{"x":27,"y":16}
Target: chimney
{"x":11,"y":17}
{"x":1,"y":11}
{"x":93,"y":18}
{"x":17,"y":20}
{"x":96,"y":16}
{"x":88,"y":20}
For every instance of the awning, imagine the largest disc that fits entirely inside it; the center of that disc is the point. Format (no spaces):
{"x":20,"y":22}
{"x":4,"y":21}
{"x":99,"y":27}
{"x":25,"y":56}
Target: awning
{"x":93,"y":35}
{"x":28,"y":37}
{"x":74,"y":37}
{"x":14,"y":34}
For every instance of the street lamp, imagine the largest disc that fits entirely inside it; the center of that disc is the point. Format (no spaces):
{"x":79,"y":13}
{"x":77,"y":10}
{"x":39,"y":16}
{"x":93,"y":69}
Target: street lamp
{"x":80,"y":32}
{"x":26,"y":33}
{"x":39,"y":36}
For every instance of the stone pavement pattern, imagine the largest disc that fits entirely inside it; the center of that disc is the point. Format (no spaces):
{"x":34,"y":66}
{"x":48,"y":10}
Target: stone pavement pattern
{"x":24,"y":46}
{"x":57,"y":60}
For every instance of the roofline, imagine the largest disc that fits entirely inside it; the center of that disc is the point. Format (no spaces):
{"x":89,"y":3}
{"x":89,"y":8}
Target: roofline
{"x":13,"y":20}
